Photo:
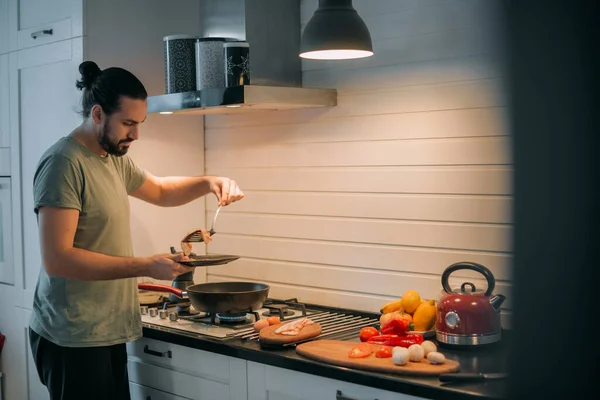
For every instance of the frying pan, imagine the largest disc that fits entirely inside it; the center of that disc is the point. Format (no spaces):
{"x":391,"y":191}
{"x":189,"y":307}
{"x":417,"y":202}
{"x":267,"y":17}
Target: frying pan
{"x":218,"y":297}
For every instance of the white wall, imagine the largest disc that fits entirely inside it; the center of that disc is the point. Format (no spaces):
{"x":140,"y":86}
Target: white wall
{"x":411,"y":172}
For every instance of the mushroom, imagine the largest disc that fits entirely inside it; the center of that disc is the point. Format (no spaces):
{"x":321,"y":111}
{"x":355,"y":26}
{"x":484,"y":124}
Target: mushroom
{"x":416,"y":353}
{"x":400,"y":355}
{"x":436,"y":358}
{"x":428,"y":346}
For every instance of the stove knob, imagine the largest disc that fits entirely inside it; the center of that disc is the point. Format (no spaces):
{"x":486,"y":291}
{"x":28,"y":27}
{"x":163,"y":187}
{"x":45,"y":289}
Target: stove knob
{"x":143,"y":310}
{"x":153,"y":311}
{"x":162,"y":314}
{"x":452,"y":319}
{"x":173,"y":316}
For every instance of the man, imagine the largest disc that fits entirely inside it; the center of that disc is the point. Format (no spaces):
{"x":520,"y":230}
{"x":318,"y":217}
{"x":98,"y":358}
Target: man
{"x":85,"y":304}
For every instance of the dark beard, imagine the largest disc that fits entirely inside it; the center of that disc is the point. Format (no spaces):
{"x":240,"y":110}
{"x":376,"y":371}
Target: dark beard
{"x":110,"y":147}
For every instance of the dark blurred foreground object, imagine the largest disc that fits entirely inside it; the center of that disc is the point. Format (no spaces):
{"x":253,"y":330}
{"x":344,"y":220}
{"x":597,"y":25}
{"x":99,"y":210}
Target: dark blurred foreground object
{"x":553,"y":91}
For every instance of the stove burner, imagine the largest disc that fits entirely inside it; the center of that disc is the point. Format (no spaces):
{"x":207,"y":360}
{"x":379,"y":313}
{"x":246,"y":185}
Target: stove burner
{"x":183,"y":307}
{"x":187,"y":313}
{"x":277,"y":311}
{"x":281,"y":309}
{"x":232,"y":317}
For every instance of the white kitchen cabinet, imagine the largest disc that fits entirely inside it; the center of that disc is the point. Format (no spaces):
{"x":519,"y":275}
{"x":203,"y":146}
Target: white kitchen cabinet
{"x":141,"y":392}
{"x":43,"y":79}
{"x":4,"y":105}
{"x":273,"y":383}
{"x":189,"y":373}
{"x":20,"y":378}
{"x":3,"y":28}
{"x":38,"y":22}
{"x":7,"y":271}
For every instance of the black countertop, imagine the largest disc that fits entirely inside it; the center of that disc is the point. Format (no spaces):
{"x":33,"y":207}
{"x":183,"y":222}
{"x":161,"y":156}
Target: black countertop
{"x":485,"y":360}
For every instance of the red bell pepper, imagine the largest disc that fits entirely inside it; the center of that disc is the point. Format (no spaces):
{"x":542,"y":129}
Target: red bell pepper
{"x":416,"y":336}
{"x":397,"y":340}
{"x":397,"y":327}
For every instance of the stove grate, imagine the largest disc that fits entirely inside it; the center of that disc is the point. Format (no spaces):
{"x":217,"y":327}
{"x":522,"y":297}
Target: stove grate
{"x":332,"y":323}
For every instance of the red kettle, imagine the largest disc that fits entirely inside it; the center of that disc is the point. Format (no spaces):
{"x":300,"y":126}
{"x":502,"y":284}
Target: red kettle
{"x":468,"y":316}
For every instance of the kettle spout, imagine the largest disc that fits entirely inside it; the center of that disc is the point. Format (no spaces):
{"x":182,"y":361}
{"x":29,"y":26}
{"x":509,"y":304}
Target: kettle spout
{"x":497,"y":300}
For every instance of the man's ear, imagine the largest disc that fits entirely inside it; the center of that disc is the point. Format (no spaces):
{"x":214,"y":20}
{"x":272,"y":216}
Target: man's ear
{"x":97,"y":114}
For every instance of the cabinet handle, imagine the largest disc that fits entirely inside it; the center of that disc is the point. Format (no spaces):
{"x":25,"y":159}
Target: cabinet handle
{"x":340,"y":396}
{"x":167,"y":354}
{"x":43,"y":32}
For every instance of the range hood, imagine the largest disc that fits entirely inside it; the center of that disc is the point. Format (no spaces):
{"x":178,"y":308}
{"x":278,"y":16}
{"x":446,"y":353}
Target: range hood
{"x":272,"y":28}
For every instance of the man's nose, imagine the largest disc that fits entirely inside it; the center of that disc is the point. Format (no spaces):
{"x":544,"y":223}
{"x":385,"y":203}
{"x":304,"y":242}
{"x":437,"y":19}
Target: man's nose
{"x":134,"y":133}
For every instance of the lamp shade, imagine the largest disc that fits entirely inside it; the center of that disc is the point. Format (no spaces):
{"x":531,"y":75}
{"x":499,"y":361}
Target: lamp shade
{"x":336,"y":32}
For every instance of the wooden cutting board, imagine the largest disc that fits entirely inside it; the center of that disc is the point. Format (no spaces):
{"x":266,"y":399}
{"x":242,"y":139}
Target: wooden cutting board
{"x":267,"y":335}
{"x":336,"y":352}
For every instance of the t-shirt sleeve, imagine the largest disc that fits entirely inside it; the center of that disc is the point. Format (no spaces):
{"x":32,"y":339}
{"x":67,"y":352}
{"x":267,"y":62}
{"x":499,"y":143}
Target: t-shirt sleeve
{"x":133,"y":176}
{"x":57,"y":183}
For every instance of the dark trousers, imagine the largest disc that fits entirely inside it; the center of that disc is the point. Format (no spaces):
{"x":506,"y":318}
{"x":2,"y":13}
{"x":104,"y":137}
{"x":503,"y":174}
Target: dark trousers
{"x":75,"y":373}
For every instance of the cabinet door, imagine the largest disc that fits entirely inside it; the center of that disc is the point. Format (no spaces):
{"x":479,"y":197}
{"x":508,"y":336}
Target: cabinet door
{"x":20,"y":380}
{"x":7,"y":268}
{"x":272,"y":383}
{"x":38,"y":22}
{"x":3,"y":28}
{"x":4,"y":105}
{"x":45,"y":100}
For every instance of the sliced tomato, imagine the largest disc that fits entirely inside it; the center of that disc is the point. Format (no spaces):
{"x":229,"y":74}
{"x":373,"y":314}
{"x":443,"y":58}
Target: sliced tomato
{"x":361,"y":351}
{"x":384,"y":352}
{"x":367,"y":333}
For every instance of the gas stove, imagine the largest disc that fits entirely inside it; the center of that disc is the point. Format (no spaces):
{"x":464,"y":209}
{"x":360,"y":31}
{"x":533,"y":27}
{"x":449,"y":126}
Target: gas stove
{"x":183,"y":319}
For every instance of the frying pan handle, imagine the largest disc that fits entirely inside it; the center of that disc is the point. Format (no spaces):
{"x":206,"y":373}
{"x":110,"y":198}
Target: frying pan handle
{"x":161,"y":288}
{"x":472,"y":266}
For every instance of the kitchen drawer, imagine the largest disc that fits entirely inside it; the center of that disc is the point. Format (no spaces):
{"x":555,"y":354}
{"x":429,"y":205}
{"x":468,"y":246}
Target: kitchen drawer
{"x":191,"y":361}
{"x":44,"y":34}
{"x":38,"y":22}
{"x":176,"y":382}
{"x":141,"y":392}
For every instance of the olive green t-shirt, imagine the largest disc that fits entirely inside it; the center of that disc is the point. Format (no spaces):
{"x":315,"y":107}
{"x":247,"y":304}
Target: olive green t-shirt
{"x":77,"y":313}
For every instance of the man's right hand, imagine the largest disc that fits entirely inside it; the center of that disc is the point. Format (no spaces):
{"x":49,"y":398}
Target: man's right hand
{"x":165,"y":267}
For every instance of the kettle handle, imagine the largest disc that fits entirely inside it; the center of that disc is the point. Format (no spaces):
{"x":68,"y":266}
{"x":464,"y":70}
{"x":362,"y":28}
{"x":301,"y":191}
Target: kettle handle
{"x":472,"y":266}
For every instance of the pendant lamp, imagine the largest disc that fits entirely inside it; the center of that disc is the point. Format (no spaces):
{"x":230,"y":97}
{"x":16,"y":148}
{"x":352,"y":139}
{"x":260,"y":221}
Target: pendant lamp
{"x":335,"y":32}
